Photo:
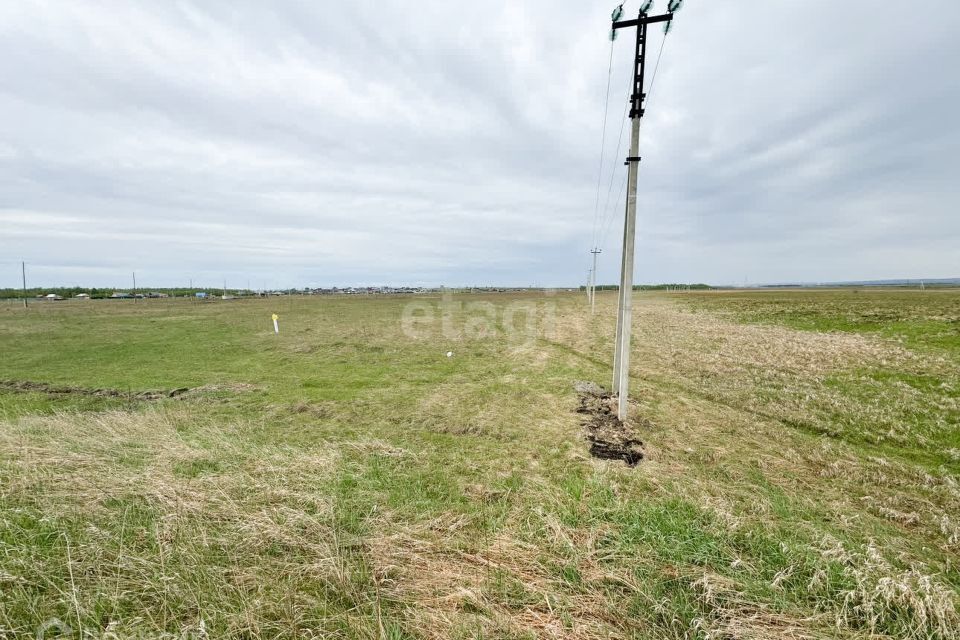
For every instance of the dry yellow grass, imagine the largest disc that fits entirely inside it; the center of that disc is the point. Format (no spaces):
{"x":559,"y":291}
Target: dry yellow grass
{"x":434,"y":497}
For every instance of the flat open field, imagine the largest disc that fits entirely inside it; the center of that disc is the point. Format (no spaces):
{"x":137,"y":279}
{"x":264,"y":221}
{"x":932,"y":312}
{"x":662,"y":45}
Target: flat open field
{"x":175,"y":467}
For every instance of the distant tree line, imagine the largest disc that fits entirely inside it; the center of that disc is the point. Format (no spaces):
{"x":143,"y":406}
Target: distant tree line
{"x":66,"y":292}
{"x":653,"y":287}
{"x":103,"y":292}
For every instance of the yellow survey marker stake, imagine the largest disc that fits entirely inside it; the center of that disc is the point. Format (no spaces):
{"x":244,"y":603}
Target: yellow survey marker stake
{"x":276,"y":327}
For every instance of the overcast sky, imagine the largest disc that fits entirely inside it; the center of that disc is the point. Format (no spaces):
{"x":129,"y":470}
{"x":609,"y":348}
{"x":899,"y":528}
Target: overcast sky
{"x":291,"y":143}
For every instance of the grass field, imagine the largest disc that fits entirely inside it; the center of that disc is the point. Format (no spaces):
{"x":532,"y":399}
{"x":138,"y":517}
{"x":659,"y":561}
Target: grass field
{"x":347,"y":479}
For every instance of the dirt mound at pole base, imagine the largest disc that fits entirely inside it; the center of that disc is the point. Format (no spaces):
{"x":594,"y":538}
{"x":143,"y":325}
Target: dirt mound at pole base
{"x":609,"y":437}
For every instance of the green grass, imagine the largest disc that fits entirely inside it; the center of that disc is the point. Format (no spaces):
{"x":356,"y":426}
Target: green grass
{"x":920,"y":319}
{"x":346,"y":479}
{"x":913,"y":404}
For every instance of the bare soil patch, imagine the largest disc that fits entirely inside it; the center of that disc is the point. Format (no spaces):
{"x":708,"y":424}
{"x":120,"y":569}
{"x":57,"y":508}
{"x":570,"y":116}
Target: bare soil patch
{"x":609,"y":437}
{"x":27,"y":386}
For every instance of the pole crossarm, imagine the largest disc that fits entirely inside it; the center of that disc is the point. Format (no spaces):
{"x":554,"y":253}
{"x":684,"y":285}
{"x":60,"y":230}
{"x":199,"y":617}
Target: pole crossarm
{"x":623,"y":24}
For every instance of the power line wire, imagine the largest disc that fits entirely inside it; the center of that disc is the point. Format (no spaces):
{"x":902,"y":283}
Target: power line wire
{"x":609,"y":223}
{"x":606,"y":222}
{"x":603,"y":144}
{"x":613,"y":172}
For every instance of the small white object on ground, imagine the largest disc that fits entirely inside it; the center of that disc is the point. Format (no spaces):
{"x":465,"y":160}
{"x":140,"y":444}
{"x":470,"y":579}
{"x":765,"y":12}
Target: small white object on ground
{"x":449,"y":354}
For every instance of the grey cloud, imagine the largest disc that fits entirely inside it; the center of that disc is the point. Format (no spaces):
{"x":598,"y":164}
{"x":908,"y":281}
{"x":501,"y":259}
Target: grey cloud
{"x":338,"y":143}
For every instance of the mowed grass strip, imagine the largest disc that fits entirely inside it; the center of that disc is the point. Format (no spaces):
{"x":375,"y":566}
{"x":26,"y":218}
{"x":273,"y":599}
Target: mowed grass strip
{"x":346,"y":479}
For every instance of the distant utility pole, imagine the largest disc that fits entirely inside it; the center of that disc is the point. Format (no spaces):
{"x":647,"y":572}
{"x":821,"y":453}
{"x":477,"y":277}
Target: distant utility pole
{"x":23,"y":272}
{"x":593,"y":281}
{"x":134,"y":286}
{"x":621,"y":354}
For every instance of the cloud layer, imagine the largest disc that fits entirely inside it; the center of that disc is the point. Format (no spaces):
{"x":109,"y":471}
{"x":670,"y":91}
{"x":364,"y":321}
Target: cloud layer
{"x":302,"y":143}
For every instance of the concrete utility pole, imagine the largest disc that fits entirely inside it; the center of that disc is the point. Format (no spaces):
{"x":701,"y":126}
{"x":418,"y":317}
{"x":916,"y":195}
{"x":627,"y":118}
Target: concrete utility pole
{"x":593,"y":281}
{"x":23,"y":272}
{"x":621,"y":354}
{"x":134,"y":286}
